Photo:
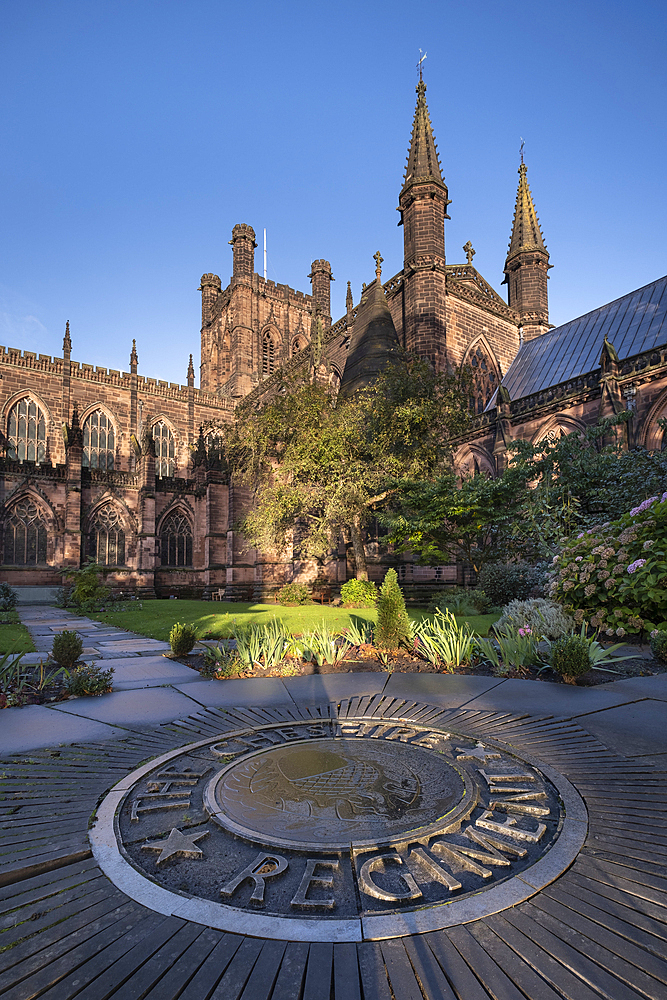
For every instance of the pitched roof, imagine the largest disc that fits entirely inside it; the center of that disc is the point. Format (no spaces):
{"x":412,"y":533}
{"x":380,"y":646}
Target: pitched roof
{"x":526,"y":232}
{"x":423,"y":163}
{"x":373,"y":343}
{"x":634,"y":323}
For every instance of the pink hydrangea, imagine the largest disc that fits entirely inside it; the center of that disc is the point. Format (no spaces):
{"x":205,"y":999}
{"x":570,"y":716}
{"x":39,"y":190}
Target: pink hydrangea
{"x":525,"y":631}
{"x":637,"y":564}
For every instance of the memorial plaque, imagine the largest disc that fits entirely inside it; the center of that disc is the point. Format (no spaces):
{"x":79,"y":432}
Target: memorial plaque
{"x":337,"y":830}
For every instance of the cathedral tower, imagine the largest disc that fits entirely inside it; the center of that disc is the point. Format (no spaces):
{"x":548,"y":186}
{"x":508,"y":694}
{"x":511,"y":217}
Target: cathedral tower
{"x":423,"y":205}
{"x":527,"y":264}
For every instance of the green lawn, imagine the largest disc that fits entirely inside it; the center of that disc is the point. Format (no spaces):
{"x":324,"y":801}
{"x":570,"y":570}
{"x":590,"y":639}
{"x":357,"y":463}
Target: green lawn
{"x":214,"y":620}
{"x":13,"y":635}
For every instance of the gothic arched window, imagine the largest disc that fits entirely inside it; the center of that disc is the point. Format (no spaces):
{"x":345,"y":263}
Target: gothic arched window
{"x":106,"y":538}
{"x":25,"y":535}
{"x":298,"y":344}
{"x":484,"y":379}
{"x":268,"y":355}
{"x":26,"y":432}
{"x":164,"y":450}
{"x":98,"y":441}
{"x":176,"y":540}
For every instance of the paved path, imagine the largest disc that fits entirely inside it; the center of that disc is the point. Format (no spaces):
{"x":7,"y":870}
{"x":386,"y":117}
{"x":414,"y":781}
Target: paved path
{"x":598,"y":931}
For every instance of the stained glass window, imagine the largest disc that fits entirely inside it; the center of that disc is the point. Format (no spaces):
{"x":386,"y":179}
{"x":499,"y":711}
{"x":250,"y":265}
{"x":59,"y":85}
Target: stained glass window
{"x":176,"y":540}
{"x":106,"y":539}
{"x":25,"y":535}
{"x":26,"y":432}
{"x":98,"y":441}
{"x":164,"y":450}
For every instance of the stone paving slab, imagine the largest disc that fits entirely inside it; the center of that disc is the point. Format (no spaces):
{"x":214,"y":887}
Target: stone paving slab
{"x":133,"y":644}
{"x":334,"y":687}
{"x":562,"y":700}
{"x":216,"y":694}
{"x":147,"y":671}
{"x":450,"y":690}
{"x":36,"y":726}
{"x":639,"y":728}
{"x":640,"y":687}
{"x":138,"y":707}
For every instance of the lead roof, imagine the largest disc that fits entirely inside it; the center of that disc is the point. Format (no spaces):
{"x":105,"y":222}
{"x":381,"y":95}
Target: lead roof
{"x":634,"y":323}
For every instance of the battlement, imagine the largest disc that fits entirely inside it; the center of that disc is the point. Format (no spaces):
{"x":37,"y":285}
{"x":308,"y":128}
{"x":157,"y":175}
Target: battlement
{"x":269,"y":287}
{"x":28,"y":359}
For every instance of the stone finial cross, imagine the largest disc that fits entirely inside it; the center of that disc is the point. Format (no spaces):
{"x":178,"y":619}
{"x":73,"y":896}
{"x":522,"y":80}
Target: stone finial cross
{"x":469,"y":251}
{"x":378,"y":258}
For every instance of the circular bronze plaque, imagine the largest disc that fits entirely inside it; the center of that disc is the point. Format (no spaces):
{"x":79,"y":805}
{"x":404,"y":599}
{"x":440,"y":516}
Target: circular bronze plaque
{"x":325,"y":829}
{"x":330,"y":793}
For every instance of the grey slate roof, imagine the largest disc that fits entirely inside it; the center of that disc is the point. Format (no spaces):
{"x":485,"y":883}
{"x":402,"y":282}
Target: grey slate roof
{"x":634,"y":323}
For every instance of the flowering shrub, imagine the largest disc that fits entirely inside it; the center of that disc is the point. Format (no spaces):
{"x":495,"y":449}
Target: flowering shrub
{"x":659,"y":644}
{"x":544,"y":617}
{"x":615,"y":575}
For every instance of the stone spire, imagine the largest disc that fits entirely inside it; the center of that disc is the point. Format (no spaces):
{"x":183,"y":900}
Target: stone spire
{"x":67,"y":342}
{"x":527,"y":265}
{"x":349,"y":301}
{"x":191,"y":372}
{"x":423,"y":164}
{"x":134,"y":358}
{"x":526,"y":232}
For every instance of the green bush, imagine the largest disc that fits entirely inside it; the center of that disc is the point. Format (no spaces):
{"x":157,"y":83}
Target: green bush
{"x":615,"y":575}
{"x":89,"y":679}
{"x":182,"y":638}
{"x":393,"y":624}
{"x":8,"y":597}
{"x":460,"y":601}
{"x":505,"y":582}
{"x":659,"y":644}
{"x":67,"y":648}
{"x":87,"y":590}
{"x":293,"y":594}
{"x":359,"y":594}
{"x":570,"y":657}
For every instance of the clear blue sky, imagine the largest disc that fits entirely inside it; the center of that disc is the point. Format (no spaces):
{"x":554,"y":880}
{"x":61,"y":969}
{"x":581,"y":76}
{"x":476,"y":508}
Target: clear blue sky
{"x":136,"y":133}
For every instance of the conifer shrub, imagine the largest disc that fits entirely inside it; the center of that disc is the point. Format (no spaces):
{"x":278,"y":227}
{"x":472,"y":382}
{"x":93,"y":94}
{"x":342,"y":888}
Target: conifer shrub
{"x":67,"y":648}
{"x":89,"y":679}
{"x":359,"y":594}
{"x":182,"y":638}
{"x":292,"y":595}
{"x":393,"y":624}
{"x":570,"y":657}
{"x":8,"y":597}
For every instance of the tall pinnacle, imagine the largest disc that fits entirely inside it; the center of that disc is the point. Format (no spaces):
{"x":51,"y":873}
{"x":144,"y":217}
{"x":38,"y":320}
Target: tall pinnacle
{"x":423,"y":163}
{"x":526,"y":232}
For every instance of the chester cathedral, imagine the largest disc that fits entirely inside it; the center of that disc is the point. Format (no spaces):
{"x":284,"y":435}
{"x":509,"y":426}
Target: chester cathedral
{"x":111,"y":466}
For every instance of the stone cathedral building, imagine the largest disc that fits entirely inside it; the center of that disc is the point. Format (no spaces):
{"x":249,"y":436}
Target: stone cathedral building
{"x":111,"y":465}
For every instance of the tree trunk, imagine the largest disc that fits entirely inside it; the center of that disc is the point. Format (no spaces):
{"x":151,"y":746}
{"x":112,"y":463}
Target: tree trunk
{"x":358,"y":546}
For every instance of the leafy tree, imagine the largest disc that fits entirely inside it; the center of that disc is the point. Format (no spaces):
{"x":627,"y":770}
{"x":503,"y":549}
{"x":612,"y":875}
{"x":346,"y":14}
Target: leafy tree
{"x":319,"y":467}
{"x":548,"y":491}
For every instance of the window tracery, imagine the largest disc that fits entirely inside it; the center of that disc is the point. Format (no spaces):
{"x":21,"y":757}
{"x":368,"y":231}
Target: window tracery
{"x":98,"y":441}
{"x":25,"y":535}
{"x":176,"y":540}
{"x":165,"y":450}
{"x":268,"y":355}
{"x":26,"y":432}
{"x":484,"y":379}
{"x":298,"y":345}
{"x":106,"y":538}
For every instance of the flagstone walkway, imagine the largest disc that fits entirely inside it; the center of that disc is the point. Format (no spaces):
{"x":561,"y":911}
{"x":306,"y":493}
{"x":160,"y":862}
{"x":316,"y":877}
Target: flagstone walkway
{"x":598,"y":930}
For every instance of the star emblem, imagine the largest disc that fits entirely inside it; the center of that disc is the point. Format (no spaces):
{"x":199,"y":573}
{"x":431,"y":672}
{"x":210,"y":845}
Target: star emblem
{"x":477,"y":753}
{"x":176,"y":843}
